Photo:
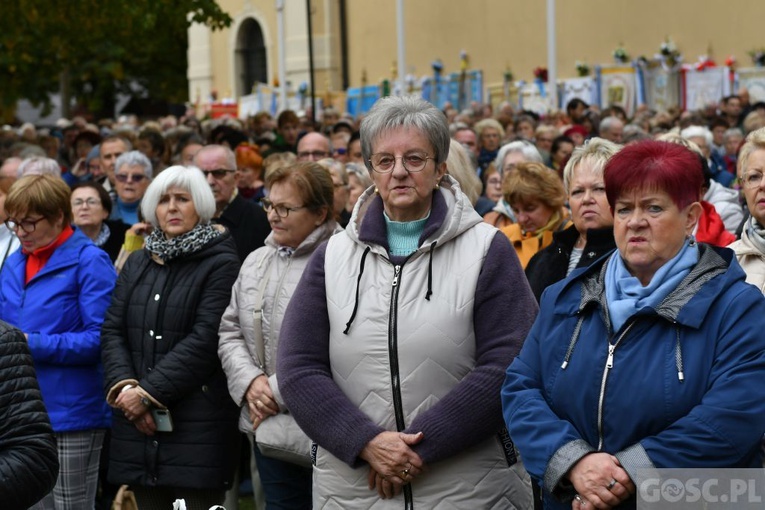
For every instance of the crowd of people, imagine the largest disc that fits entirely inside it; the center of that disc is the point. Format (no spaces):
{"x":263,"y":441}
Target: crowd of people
{"x":485,"y":308}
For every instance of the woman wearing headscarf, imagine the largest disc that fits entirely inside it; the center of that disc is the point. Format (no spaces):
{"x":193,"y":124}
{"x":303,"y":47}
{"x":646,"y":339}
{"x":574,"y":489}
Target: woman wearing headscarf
{"x":391,"y":353}
{"x":653,"y":357}
{"x":174,"y":425}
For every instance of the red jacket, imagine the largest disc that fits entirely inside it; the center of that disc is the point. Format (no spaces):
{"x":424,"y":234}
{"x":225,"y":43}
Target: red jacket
{"x":711,"y":228}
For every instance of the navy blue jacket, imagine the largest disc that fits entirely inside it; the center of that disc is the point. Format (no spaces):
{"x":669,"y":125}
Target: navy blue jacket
{"x":684,"y":390}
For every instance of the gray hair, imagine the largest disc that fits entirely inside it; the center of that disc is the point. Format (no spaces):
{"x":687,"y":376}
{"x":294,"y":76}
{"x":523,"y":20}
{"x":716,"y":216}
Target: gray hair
{"x":362,"y":174}
{"x":490,"y":124}
{"x":190,"y":179}
{"x":336,"y":167}
{"x":596,"y":152}
{"x":37,"y":165}
{"x":394,"y":112}
{"x":731,"y":133}
{"x":134,"y":158}
{"x":530,"y":153}
{"x":458,"y":165}
{"x":698,"y":131}
{"x":610,"y":122}
{"x":228,"y":154}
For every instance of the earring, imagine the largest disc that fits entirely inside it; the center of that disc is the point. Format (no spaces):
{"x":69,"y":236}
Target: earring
{"x":691,"y":240}
{"x":376,"y":190}
{"x":436,"y":186}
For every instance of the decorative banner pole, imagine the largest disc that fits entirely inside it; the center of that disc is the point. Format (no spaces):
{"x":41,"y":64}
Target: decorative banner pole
{"x":282,"y":58}
{"x":401,"y":46}
{"x":438,"y":66}
{"x":508,"y":79}
{"x":552,"y":56}
{"x":462,"y":97}
{"x":310,"y":63}
{"x":361,"y":92}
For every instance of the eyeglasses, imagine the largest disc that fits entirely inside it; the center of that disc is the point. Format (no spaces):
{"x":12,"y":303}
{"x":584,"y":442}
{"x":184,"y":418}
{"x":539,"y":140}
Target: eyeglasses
{"x":130,"y":177}
{"x":27,"y":226}
{"x":281,"y":210}
{"x":312,"y":154}
{"x":752,"y":180}
{"x":91,"y":202}
{"x":218,"y":173}
{"x":384,"y":163}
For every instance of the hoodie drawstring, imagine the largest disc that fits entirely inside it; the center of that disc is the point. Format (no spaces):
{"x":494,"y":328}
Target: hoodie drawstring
{"x":358,"y":282}
{"x":430,"y":271}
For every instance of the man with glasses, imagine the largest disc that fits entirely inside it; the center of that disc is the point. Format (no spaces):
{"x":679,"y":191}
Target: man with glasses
{"x":246,"y":221}
{"x":133,"y":175}
{"x":313,"y":147}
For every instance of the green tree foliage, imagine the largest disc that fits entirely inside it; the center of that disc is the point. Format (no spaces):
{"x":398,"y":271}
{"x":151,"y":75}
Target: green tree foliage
{"x":90,"y":49}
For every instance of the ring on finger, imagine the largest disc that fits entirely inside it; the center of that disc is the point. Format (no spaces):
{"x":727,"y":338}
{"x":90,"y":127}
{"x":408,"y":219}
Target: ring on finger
{"x":611,"y":484}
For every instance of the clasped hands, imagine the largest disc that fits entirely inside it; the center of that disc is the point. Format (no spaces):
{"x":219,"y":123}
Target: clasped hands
{"x":600,"y":482}
{"x":260,"y":401}
{"x":392,"y":462}
{"x":132,"y":406}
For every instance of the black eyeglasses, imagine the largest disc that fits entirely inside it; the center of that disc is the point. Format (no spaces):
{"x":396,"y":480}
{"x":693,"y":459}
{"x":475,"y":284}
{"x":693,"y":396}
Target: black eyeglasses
{"x":218,"y":173}
{"x":384,"y":163}
{"x":91,"y":202}
{"x":281,"y":210}
{"x":130,"y":177}
{"x":27,"y":226}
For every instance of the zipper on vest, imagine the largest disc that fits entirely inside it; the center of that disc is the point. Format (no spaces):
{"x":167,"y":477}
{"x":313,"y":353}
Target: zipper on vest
{"x":394,"y":372}
{"x":606,"y":369}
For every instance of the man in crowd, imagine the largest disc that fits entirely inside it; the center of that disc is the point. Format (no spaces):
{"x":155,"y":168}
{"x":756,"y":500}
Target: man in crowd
{"x":112,"y":147}
{"x":612,"y":129}
{"x":313,"y":147}
{"x":246,"y":221}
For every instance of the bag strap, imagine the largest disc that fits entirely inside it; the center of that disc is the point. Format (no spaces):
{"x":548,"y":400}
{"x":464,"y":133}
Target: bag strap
{"x":257,"y":313}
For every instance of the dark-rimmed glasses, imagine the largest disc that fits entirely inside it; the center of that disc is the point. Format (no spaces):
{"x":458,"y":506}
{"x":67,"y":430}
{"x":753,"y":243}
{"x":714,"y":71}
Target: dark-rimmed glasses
{"x":123,"y":178}
{"x":384,"y":163}
{"x":27,"y":226}
{"x":281,"y":210}
{"x":218,"y":173}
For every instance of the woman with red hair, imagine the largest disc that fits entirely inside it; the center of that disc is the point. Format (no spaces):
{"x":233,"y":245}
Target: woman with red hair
{"x":250,"y":165}
{"x":652,"y":357}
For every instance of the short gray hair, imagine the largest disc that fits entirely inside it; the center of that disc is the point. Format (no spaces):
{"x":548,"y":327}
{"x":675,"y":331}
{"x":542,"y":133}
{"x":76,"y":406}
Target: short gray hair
{"x":458,"y":165}
{"x":595,"y":151}
{"x":37,"y":165}
{"x":134,"y":158}
{"x":698,"y":132}
{"x":394,"y":112}
{"x":361,"y":173}
{"x":228,"y":154}
{"x":335,"y":166}
{"x":610,"y":122}
{"x":530,"y":153}
{"x":190,"y":179}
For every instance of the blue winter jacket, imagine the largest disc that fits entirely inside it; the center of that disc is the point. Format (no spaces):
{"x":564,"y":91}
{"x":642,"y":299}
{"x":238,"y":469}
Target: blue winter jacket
{"x":685,"y":388}
{"x":61,"y":309}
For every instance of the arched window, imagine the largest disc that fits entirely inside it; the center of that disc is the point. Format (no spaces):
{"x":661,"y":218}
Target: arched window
{"x":250,"y":56}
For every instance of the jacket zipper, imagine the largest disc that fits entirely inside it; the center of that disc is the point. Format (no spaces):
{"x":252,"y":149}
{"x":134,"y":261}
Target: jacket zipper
{"x":606,"y":369}
{"x":394,"y":375}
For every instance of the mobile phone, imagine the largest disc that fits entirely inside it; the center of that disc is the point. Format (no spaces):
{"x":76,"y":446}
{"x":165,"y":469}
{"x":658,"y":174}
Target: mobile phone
{"x":162,"y":420}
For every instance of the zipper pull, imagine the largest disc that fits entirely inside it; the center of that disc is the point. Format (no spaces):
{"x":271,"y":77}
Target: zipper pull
{"x":610,"y":360}
{"x":396,"y":271}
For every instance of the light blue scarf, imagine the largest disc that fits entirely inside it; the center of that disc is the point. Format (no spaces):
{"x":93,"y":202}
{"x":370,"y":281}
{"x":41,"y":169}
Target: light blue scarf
{"x":625,"y":294}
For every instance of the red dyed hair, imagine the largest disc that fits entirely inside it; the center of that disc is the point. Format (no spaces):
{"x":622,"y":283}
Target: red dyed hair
{"x":248,"y":156}
{"x":652,"y":165}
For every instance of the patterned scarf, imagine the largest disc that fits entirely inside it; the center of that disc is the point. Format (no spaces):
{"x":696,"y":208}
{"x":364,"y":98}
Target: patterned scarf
{"x":756,"y":233}
{"x":184,"y":244}
{"x":103,"y":235}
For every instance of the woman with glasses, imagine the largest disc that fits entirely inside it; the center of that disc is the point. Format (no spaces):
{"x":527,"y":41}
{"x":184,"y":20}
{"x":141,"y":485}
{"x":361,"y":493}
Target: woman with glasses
{"x":132,"y":175}
{"x":91,"y":207}
{"x":391,"y":354}
{"x":56,"y":290}
{"x":299,"y":208}
{"x":750,"y":249}
{"x":174,"y":426}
